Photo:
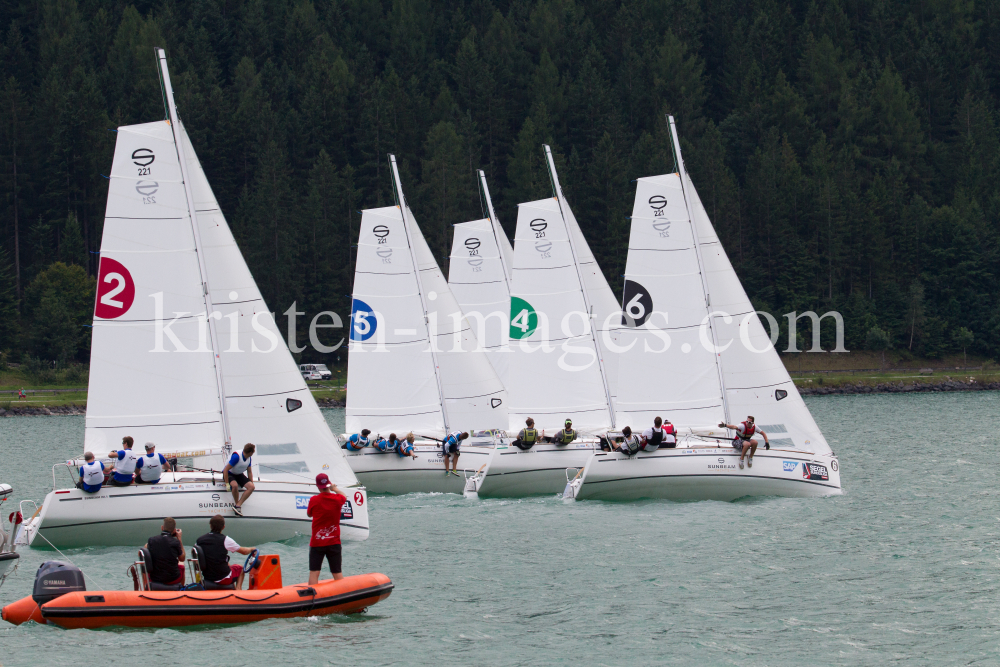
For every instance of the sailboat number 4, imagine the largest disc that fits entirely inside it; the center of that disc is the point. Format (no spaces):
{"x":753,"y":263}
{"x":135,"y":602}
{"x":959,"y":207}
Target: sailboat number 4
{"x":523,"y":318}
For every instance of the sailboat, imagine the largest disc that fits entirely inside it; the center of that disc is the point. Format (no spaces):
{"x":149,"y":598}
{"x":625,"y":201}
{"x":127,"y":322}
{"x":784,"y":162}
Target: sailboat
{"x":558,"y":367}
{"x":414,"y":363}
{"x":479,"y":276}
{"x":695,"y":352}
{"x":161,"y":370}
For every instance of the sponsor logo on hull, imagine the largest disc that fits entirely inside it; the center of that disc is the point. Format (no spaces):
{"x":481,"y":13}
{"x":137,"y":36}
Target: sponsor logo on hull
{"x":721,"y":465}
{"x":815,"y":471}
{"x":789,"y":466}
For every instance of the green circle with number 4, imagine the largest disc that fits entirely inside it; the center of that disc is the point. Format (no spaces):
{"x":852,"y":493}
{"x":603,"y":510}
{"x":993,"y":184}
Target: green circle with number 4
{"x":523,"y":318}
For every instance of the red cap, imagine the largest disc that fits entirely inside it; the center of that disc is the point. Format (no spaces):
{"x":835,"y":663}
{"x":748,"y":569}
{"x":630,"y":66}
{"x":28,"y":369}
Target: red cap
{"x":322,"y":481}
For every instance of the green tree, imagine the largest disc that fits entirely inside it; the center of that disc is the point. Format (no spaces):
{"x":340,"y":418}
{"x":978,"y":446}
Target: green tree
{"x":58,"y":307}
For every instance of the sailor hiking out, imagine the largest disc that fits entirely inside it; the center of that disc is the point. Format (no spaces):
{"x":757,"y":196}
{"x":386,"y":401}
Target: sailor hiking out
{"x":450,"y":450}
{"x":387,"y":445}
{"x":124,"y":471}
{"x":151,"y":466}
{"x":357,"y":442}
{"x":744,"y":440}
{"x":653,"y":438}
{"x":238,"y":474}
{"x":630,"y":445}
{"x":527,"y":436}
{"x":91,"y":474}
{"x":405,"y":447}
{"x":566,"y":435}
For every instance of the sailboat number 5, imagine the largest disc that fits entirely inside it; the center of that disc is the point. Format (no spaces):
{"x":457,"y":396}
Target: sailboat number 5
{"x":115,"y":290}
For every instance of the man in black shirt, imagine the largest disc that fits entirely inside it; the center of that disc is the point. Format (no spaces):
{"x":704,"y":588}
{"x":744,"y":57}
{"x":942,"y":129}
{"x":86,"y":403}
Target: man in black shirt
{"x":167,"y":551}
{"x":217,"y":548}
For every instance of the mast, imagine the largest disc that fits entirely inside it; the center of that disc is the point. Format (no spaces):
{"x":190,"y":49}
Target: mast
{"x":175,"y":126}
{"x":403,"y":208}
{"x":583,"y":285}
{"x":494,"y":224}
{"x":701,"y":264}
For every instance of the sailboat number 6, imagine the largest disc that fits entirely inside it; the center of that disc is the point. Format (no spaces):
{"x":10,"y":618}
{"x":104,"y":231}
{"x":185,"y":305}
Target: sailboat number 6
{"x":115,"y":290}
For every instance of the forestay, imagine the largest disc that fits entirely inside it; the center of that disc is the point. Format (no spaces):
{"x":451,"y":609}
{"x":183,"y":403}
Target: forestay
{"x":554,"y":372}
{"x":756,"y":380}
{"x":476,"y":276}
{"x":268,"y":401}
{"x":664,"y":367}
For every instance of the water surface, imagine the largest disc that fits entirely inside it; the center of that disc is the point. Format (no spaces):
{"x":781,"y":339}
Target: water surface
{"x":903,"y":568}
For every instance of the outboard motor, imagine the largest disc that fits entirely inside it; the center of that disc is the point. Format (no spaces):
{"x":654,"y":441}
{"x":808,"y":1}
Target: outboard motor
{"x":55,"y":578}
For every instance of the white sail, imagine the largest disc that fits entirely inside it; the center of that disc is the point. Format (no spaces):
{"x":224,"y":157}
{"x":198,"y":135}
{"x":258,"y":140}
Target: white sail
{"x":477,"y":279}
{"x":664,"y":369}
{"x":268,"y":401}
{"x":554,"y":370}
{"x":605,"y":307}
{"x":470,"y":396}
{"x":755,"y":379}
{"x":390,"y":371}
{"x":149,"y":300}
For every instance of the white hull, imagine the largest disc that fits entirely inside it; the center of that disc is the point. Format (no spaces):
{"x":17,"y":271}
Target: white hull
{"x":128,"y":516}
{"x":382,"y":472}
{"x":708,"y":473}
{"x":538,"y":471}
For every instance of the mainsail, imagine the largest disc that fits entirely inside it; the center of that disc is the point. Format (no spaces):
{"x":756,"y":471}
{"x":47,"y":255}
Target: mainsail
{"x":664,"y":368}
{"x":479,"y":276}
{"x":153,"y":368}
{"x":425,"y":344}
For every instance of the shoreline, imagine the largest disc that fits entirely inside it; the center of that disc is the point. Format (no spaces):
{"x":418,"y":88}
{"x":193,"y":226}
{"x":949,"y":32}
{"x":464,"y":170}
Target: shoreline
{"x":901,"y":388}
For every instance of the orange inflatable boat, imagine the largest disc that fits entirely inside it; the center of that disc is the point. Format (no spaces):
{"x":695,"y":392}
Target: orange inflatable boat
{"x":162,"y":609}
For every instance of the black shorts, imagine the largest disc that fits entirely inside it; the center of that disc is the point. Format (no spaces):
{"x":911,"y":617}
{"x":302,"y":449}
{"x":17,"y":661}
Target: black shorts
{"x":241,"y":478}
{"x":140,"y":480}
{"x":449,"y":449}
{"x":331,"y":552}
{"x":115,"y":482}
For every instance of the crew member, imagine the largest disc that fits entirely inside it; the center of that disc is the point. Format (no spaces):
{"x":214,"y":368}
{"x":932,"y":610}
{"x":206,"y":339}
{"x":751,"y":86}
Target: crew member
{"x":358,"y":442}
{"x":124,"y":471}
{"x":387,"y":445}
{"x":527,"y":436}
{"x":217,"y":548}
{"x":744,"y":440}
{"x":449,"y":450}
{"x":151,"y":466}
{"x":406,"y":447}
{"x":630,"y":445}
{"x":652,"y":438}
{"x":167,"y":551}
{"x":91,"y":474}
{"x":669,"y":435}
{"x":325,"y":541}
{"x":566,"y":435}
{"x":238,"y":474}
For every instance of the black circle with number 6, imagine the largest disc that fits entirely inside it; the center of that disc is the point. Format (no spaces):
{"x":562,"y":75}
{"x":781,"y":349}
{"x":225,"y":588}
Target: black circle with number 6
{"x":636,"y":304}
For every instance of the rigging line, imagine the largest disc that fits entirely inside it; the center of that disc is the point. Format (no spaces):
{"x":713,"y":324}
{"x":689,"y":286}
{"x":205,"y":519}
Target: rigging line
{"x":38,"y":533}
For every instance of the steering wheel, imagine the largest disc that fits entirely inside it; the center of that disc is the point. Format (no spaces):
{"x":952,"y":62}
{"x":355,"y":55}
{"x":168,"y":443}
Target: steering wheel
{"x":252,"y":557}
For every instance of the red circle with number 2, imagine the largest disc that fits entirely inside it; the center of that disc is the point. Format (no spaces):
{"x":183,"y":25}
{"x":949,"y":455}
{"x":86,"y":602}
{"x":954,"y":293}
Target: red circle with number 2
{"x":359,"y":498}
{"x":115,"y":290}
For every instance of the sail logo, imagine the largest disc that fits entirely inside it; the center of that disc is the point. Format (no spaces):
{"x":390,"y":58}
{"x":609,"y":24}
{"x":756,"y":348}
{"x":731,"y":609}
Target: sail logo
{"x":385,"y":254}
{"x":543,"y":248}
{"x":475,"y":261}
{"x":539,"y":225}
{"x":363,"y":321}
{"x":658,"y":203}
{"x":142,"y":158}
{"x":147,"y":190}
{"x":789,"y":466}
{"x":381,"y":233}
{"x":523,"y":318}
{"x":638,"y":304}
{"x":115,"y":290}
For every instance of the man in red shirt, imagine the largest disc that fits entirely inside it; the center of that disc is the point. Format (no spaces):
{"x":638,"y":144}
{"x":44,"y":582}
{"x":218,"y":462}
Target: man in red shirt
{"x":325,"y":542}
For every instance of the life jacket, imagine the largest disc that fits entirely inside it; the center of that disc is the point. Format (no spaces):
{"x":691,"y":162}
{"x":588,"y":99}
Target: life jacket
{"x":241,"y":464}
{"x":669,"y":434}
{"x":405,"y":448}
{"x":92,"y":473}
{"x":216,"y":556}
{"x":126,"y":465}
{"x":746,"y":430}
{"x":151,"y":467}
{"x":652,"y":441}
{"x":385,"y":445}
{"x":357,"y":442}
{"x":530,"y":436}
{"x":631,"y":445}
{"x":454,"y":439}
{"x":565,"y":436}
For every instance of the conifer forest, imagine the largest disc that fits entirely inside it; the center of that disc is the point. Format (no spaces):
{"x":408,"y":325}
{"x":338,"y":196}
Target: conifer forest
{"x":847,"y":152}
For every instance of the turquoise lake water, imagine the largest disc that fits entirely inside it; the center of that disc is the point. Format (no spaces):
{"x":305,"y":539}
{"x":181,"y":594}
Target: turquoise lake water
{"x":903,"y":568}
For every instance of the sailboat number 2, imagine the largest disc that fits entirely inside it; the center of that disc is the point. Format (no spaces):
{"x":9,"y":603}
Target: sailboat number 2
{"x":115,"y":290}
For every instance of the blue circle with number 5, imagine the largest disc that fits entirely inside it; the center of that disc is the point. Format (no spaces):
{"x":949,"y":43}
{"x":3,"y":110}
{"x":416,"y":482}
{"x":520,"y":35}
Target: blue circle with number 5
{"x":363,"y":322}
